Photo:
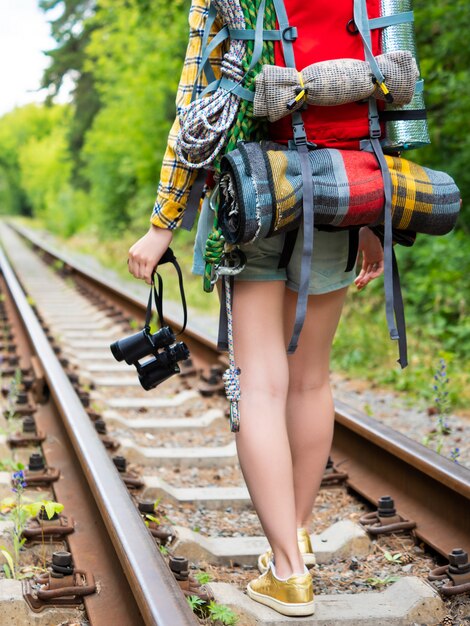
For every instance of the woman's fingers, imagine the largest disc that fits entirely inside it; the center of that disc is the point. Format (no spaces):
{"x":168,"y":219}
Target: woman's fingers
{"x":360,"y":279}
{"x":133,"y":266}
{"x":144,"y":254}
{"x":137,"y":266}
{"x":147,"y":272}
{"x":369,"y":272}
{"x":141,"y":267}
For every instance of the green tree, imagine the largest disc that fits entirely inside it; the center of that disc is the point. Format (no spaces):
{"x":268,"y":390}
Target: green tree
{"x":72,"y":30}
{"x":135,"y":56}
{"x":16,"y":130}
{"x":36,"y":168}
{"x":445,"y":66}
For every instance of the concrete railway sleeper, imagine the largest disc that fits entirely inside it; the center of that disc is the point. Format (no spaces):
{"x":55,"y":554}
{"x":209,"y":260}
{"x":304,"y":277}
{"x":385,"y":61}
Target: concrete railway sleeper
{"x":171,"y":446}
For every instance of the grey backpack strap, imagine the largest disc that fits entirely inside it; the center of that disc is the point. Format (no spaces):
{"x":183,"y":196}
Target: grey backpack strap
{"x":288,"y":35}
{"x":393,"y":298}
{"x":399,"y":314}
{"x":394,"y":310}
{"x":307,"y":247}
{"x":194,"y":199}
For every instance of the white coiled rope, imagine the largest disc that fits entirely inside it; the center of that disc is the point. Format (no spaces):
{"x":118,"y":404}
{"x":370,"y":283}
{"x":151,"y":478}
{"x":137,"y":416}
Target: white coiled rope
{"x":230,"y":376}
{"x":204,"y":124}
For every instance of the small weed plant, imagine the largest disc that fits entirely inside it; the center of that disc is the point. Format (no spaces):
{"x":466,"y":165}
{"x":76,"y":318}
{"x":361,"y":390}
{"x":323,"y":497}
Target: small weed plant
{"x":58,"y":265}
{"x":443,"y":406}
{"x":197,"y":605}
{"x":149,"y":517}
{"x":19,"y":517}
{"x":9,"y":465}
{"x":203,"y":577}
{"x":50,"y":508}
{"x":13,"y":392}
{"x":19,"y":512}
{"x":381,"y":582}
{"x":221,"y":613}
{"x":393,"y":558}
{"x":213,"y":611}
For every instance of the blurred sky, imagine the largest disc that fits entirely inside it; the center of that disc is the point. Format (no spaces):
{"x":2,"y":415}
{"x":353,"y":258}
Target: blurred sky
{"x":24,"y":34}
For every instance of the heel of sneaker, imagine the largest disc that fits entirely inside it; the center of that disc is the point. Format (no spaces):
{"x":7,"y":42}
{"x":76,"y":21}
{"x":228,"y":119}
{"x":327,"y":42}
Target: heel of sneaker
{"x":285,"y":608}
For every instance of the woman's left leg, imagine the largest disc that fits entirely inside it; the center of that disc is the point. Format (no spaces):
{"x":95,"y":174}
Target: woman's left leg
{"x":310,"y":408}
{"x":262,"y":443}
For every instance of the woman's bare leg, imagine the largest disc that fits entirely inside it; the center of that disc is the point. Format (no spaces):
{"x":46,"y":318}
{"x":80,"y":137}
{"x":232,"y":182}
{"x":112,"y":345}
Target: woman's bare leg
{"x":262,"y":442}
{"x":310,"y":409}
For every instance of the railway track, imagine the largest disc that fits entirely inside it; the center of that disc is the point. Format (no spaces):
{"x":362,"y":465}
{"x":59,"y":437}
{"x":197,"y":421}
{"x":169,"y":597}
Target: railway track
{"x":83,"y":315}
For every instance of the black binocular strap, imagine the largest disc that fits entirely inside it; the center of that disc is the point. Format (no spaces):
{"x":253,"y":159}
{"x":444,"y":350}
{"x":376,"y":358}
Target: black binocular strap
{"x":158,"y":297}
{"x":168,"y":257}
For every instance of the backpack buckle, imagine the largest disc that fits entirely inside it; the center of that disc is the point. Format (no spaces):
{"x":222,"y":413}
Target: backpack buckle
{"x":300,"y":136}
{"x":375,"y":131}
{"x":289,"y":33}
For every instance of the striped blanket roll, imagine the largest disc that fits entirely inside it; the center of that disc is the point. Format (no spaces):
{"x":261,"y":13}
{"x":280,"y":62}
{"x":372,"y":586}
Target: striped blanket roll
{"x":261,"y":192}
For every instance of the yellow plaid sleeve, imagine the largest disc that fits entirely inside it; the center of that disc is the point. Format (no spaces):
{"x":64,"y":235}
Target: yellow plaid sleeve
{"x":176,"y":179}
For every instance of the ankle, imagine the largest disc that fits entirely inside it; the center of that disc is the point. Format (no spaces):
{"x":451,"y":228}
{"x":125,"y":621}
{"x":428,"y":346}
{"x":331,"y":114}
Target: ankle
{"x":284,"y":566}
{"x":283,"y":576}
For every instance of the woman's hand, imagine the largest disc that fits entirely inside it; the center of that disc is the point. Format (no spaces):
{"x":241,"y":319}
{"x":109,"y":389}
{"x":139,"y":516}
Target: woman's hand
{"x":145,"y":254}
{"x":372,"y":257}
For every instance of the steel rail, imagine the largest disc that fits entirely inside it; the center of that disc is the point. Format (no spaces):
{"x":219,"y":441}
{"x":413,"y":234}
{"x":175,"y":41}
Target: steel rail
{"x":426,"y":486}
{"x":89,"y":544}
{"x":157,"y":594}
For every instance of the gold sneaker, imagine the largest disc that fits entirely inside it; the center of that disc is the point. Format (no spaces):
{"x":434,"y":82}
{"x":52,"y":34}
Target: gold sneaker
{"x":293,"y":596}
{"x":305,"y":547}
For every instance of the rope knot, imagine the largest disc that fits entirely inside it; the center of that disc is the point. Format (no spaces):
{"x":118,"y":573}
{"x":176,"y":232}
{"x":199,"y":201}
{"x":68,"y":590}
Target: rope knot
{"x":214,"y":247}
{"x":232,"y":384}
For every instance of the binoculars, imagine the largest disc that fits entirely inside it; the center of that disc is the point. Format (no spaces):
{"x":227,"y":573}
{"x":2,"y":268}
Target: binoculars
{"x":165,"y":355}
{"x":161,"y":347}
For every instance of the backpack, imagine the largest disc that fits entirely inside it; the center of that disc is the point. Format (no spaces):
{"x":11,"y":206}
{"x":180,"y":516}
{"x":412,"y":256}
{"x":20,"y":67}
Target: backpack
{"x":211,"y":119}
{"x":214,"y":123}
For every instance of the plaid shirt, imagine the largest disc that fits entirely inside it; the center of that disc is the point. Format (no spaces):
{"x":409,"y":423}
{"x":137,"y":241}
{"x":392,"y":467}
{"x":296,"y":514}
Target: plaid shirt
{"x":176,"y":179}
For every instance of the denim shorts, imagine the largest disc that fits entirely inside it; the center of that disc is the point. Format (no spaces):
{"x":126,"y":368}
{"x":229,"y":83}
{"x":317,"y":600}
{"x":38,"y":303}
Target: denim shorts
{"x":327,"y":273}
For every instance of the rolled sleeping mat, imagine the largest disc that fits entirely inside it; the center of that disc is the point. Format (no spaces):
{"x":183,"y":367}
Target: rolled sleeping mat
{"x":261,"y":192}
{"x":411,"y":131}
{"x":331,"y":83}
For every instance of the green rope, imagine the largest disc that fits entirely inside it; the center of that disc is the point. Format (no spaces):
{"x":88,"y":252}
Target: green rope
{"x":213,"y":253}
{"x":246,"y":127}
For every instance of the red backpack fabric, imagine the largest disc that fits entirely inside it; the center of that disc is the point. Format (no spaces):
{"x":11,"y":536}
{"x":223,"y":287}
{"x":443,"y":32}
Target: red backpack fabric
{"x":324,"y":35}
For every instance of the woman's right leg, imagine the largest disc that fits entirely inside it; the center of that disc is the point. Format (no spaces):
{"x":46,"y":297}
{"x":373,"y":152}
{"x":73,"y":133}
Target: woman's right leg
{"x":262,"y":442}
